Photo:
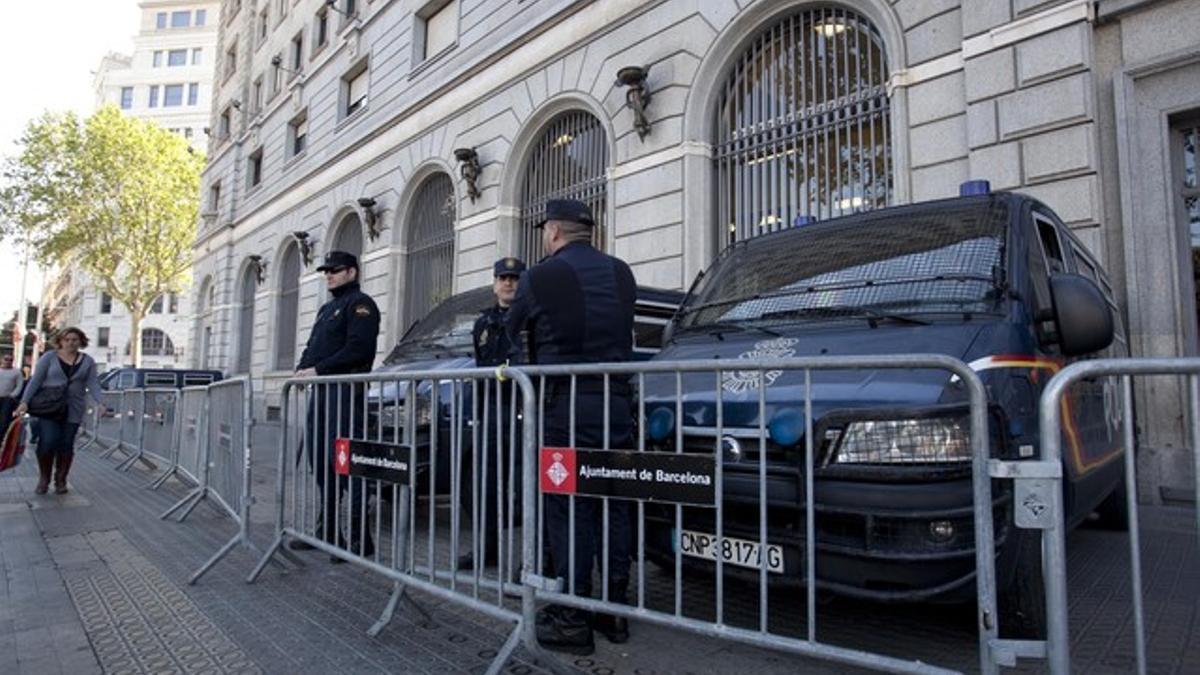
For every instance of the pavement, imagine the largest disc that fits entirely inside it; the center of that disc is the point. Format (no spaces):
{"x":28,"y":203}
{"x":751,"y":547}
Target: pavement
{"x":95,"y":582}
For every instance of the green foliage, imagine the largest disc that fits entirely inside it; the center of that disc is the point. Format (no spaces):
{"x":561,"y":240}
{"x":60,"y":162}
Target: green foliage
{"x":115,"y":196}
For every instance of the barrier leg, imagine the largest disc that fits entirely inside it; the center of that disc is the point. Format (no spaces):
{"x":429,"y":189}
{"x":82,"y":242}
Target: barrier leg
{"x":187,"y":511}
{"x":161,"y":480}
{"x":498,"y":663}
{"x":112,"y":450}
{"x":195,"y":495}
{"x":215,"y":559}
{"x":128,"y":462}
{"x":262,"y":563}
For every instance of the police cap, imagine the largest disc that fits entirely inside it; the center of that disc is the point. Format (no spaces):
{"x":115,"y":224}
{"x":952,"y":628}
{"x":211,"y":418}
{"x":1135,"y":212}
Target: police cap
{"x":336,"y":259}
{"x":508,"y":267}
{"x":570,"y":210}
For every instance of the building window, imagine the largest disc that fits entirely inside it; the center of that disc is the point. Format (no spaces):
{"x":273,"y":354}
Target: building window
{"x":156,"y":343}
{"x":297,"y":53}
{"x":160,"y":20}
{"x":201,"y":17}
{"x":245,"y":329}
{"x":172,"y":95}
{"x":1186,"y":153}
{"x":177,"y":57}
{"x":181,"y":19}
{"x":230,"y":62}
{"x":225,"y":127}
{"x":126,"y":98}
{"x":172,"y":303}
{"x":568,"y":161}
{"x":264,"y":25}
{"x":256,"y":96}
{"x":156,"y":59}
{"x":289,"y":305}
{"x":156,"y":307}
{"x":354,"y":89}
{"x":802,"y":128}
{"x":214,"y":197}
{"x":193,"y":93}
{"x":283,"y":8}
{"x":298,"y":134}
{"x":187,"y":133}
{"x":321,"y":30}
{"x":105,"y":303}
{"x":429,"y":276}
{"x":436,"y":29}
{"x":102,"y":336}
{"x":154,"y":96}
{"x":197,"y":56}
{"x":254,"y":168}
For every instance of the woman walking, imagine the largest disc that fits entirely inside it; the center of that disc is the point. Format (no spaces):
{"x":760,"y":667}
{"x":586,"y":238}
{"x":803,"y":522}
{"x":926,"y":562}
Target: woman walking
{"x":67,"y":374}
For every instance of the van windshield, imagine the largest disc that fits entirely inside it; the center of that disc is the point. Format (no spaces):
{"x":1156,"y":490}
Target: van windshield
{"x":902,"y":263}
{"x":446,"y":329}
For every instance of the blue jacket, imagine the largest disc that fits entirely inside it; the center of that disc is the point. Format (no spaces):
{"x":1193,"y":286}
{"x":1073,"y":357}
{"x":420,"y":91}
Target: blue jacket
{"x":345,"y":334}
{"x":576,"y":307}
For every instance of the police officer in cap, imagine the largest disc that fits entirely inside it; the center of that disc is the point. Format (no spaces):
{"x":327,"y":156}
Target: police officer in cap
{"x":492,"y":347}
{"x":576,"y":306}
{"x":342,"y":342}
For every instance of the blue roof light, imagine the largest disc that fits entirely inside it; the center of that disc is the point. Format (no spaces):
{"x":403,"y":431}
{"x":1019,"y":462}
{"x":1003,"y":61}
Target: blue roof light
{"x":803,"y":220}
{"x":974,"y":187}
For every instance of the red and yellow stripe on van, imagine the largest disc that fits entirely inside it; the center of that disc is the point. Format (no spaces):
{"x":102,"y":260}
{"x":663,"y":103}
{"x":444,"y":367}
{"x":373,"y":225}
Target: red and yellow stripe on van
{"x":1035,"y":366}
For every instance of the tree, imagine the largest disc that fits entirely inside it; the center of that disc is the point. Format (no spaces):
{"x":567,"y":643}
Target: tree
{"x":114,"y":196}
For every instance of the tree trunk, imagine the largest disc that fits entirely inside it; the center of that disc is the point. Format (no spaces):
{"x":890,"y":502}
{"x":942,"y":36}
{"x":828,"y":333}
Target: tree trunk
{"x":135,"y":338}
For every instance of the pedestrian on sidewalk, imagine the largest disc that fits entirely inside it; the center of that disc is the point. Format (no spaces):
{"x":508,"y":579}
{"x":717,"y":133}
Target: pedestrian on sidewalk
{"x":10,"y":387}
{"x":65,"y":366}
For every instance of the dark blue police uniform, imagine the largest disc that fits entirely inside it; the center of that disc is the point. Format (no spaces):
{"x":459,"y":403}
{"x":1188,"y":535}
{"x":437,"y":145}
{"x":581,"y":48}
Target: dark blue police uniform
{"x":342,"y":342}
{"x":577,"y":306}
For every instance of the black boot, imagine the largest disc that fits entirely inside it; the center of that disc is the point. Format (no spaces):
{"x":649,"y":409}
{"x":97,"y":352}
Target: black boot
{"x":565,"y":629}
{"x":62,"y":467}
{"x":614,"y":628}
{"x":45,"y":470}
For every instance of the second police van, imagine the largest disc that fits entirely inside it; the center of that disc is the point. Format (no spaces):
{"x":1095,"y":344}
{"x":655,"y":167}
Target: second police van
{"x":993,"y":279}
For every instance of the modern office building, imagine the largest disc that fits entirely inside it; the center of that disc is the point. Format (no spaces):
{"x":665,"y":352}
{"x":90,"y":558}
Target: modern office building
{"x":427,"y":136}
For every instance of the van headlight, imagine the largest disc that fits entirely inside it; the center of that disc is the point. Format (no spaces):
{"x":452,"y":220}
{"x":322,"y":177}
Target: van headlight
{"x":928,"y":440}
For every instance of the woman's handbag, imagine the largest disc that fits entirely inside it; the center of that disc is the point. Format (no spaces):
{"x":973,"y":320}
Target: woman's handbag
{"x":49,"y":402}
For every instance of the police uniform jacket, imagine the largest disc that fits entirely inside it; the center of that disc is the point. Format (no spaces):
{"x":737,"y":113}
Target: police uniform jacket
{"x":576,"y":307}
{"x":345,"y":334}
{"x":490,"y":337}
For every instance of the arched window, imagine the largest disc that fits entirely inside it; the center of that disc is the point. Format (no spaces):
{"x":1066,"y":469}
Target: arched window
{"x":155,"y":343}
{"x":802,"y":125}
{"x":204,"y":301}
{"x":430,"y":269}
{"x":348,"y":237}
{"x":568,"y":161}
{"x":245,"y":328}
{"x":288,"y":307}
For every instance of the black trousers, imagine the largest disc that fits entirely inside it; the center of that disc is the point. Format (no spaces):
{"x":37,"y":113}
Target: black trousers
{"x":589,"y":511}
{"x":336,"y":411}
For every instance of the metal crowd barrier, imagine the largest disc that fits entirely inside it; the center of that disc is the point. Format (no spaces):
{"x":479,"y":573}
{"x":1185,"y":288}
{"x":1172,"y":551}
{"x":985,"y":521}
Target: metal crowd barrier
{"x":1056,"y":647}
{"x":438,"y":422}
{"x":188,"y":437}
{"x":108,"y":425}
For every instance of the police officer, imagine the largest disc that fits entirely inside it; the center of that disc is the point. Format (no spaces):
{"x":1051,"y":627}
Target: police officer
{"x":492,"y":347}
{"x":576,"y":306}
{"x":342,"y":341}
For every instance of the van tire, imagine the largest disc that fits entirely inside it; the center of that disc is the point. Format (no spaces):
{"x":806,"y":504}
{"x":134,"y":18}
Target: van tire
{"x":1113,"y":512}
{"x":1022,"y":603}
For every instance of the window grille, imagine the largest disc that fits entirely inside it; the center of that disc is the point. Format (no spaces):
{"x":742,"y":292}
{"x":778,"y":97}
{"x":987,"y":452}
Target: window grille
{"x":569,"y":161}
{"x":803,"y":125}
{"x":289,"y":305}
{"x":246,"y":320}
{"x":430,"y":269}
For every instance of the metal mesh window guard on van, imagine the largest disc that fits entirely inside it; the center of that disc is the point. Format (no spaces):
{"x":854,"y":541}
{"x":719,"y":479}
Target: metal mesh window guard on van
{"x":803,"y":125}
{"x":913,"y":260}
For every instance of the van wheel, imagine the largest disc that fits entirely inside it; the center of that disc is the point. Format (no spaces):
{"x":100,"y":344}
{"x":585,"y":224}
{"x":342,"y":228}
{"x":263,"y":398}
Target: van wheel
{"x":1113,"y":512}
{"x":1022,"y":603}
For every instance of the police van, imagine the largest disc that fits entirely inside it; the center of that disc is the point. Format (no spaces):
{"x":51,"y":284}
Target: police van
{"x":993,"y":279}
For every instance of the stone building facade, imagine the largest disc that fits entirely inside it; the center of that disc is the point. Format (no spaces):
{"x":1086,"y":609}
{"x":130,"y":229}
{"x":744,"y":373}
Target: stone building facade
{"x":337,"y":127}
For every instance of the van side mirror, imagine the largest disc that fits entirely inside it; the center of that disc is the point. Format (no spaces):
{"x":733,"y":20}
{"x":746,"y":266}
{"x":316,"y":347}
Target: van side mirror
{"x":1081,"y":314}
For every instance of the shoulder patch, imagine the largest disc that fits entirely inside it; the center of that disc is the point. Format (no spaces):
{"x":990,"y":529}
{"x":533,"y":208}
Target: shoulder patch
{"x":362,"y":310}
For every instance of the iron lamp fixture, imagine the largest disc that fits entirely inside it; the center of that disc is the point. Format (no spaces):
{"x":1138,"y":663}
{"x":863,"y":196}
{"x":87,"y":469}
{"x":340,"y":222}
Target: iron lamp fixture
{"x":637,"y":95}
{"x":370,"y":217}
{"x":277,"y":61}
{"x":259,"y":267}
{"x":236,"y":104}
{"x":306,"y":252}
{"x":468,"y":168}
{"x":333,"y":4}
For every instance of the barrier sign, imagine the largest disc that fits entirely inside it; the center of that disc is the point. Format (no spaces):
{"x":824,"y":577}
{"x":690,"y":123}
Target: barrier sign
{"x":367,"y":459}
{"x":650,"y":476}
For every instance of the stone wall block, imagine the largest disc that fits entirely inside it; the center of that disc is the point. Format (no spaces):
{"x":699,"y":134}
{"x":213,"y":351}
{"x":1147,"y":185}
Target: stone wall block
{"x":1054,"y":54}
{"x":649,"y":183}
{"x":1046,"y":106}
{"x":939,"y":180}
{"x":1075,"y":200}
{"x":998,"y":164}
{"x":1023,"y":7}
{"x":936,"y":99}
{"x":659,"y":273}
{"x":981,"y":124}
{"x":939,"y":141}
{"x":1060,"y":153}
{"x":654,"y":244}
{"x":936,"y":37}
{"x":913,"y":12}
{"x":981,"y":15}
{"x":990,"y":75}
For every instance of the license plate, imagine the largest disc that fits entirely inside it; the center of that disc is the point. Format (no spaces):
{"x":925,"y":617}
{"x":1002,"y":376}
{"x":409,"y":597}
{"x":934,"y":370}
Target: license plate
{"x":733,"y":551}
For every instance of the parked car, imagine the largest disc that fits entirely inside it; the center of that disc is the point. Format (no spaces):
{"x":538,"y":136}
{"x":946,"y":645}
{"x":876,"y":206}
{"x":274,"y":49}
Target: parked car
{"x":128,"y":377}
{"x":442,"y":341}
{"x":986,"y":279}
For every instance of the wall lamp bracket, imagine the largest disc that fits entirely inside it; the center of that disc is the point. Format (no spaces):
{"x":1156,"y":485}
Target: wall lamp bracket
{"x":468,"y":168}
{"x":637,"y":95}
